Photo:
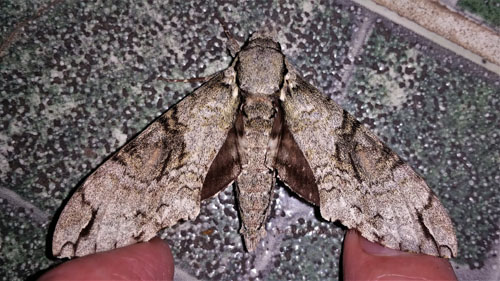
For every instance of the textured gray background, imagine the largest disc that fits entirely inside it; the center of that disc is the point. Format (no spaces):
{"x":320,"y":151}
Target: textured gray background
{"x":80,"y":80}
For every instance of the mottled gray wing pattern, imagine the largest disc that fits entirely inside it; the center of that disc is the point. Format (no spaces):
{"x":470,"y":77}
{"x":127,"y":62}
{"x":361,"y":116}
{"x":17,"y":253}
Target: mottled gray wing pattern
{"x":361,"y":182}
{"x":155,"y":179}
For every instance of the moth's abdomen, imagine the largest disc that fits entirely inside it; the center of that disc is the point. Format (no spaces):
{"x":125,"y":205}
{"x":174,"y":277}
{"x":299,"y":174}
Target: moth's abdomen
{"x":254,"y":196}
{"x":256,"y":181}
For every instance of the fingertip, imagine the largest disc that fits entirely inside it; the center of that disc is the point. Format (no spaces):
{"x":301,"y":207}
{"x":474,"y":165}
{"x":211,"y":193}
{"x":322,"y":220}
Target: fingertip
{"x":365,"y":260}
{"x":151,"y":260}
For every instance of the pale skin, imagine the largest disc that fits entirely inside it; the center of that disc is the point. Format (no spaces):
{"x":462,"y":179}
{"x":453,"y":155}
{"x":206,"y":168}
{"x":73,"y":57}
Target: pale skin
{"x":362,"y":260}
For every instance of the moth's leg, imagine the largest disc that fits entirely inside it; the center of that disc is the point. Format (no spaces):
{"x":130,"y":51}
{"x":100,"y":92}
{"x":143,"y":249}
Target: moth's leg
{"x":232,"y":45}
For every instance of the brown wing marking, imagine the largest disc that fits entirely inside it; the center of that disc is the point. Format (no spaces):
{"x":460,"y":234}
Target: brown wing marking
{"x":226,"y":166}
{"x":292,"y":165}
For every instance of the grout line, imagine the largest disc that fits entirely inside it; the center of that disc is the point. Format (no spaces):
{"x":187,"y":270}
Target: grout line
{"x":432,"y":18}
{"x":16,"y":200}
{"x":357,"y":43}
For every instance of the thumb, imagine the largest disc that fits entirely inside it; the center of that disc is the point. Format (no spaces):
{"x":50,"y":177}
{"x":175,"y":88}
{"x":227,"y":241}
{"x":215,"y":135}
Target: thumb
{"x":144,"y":261}
{"x":364,"y":260}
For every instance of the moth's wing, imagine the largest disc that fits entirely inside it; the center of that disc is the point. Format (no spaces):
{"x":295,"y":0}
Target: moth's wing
{"x":289,"y":160}
{"x":155,"y":179}
{"x":360,"y":181}
{"x":226,"y":166}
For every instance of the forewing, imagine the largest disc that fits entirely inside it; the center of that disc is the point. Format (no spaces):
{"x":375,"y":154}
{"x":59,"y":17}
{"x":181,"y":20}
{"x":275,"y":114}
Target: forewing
{"x":154,"y":180}
{"x":361,"y":182}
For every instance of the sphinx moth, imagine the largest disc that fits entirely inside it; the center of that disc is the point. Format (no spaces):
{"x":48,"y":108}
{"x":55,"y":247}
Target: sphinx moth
{"x":253,"y":122}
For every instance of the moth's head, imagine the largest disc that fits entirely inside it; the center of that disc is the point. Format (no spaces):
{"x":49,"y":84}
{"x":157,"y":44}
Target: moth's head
{"x":265,"y":34}
{"x":260,"y":65}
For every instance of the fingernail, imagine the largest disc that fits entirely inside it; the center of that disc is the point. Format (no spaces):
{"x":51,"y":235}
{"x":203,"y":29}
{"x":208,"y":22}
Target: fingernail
{"x":379,"y":250}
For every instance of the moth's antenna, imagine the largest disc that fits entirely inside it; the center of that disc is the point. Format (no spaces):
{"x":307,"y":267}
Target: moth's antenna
{"x":186,"y":80}
{"x":232,"y":44}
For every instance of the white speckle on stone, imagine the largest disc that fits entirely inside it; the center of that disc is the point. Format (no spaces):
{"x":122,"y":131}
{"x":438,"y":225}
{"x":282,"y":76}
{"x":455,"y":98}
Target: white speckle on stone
{"x":307,"y":7}
{"x":54,"y":73}
{"x":113,"y":59}
{"x":119,"y":136}
{"x":253,"y":272}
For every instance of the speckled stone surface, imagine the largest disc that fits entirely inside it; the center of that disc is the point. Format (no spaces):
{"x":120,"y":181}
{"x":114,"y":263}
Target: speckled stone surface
{"x":81,"y":80}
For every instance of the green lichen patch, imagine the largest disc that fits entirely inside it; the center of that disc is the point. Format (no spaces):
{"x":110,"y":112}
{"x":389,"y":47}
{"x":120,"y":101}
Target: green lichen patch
{"x":487,"y":9}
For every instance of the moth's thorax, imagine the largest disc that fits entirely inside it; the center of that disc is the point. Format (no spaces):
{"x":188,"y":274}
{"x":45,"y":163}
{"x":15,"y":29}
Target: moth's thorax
{"x":258,"y":112}
{"x":260,"y":67}
{"x":258,"y":107}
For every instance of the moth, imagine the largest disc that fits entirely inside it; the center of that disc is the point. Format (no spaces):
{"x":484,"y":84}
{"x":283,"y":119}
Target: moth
{"x":249,"y":124}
